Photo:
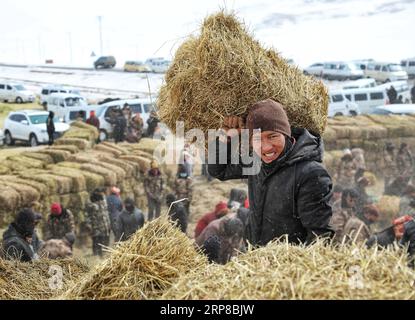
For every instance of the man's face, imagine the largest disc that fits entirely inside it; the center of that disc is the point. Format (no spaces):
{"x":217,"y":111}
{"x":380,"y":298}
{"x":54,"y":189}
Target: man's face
{"x":268,"y":145}
{"x":351,"y":202}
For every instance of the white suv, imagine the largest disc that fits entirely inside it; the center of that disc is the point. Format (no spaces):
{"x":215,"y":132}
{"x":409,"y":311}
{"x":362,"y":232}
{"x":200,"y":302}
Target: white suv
{"x":30,"y":126}
{"x":339,"y":105}
{"x":49,"y":89}
{"x":13,"y":92}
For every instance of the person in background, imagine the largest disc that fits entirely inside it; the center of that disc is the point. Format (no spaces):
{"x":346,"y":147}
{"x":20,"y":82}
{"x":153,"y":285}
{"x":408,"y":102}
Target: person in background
{"x":237,"y":198}
{"x":98,"y":222}
{"x":346,"y":170}
{"x":17,"y":239}
{"x":129,"y":221}
{"x":407,"y":202}
{"x":404,"y":161}
{"x":358,"y":230}
{"x":154,"y":187}
{"x":152,"y":122}
{"x":336,"y":199}
{"x":221,"y":209}
{"x":183,"y":186}
{"x":115,"y":206}
{"x":50,"y":127}
{"x":392,"y":95}
{"x":59,"y":222}
{"x":120,"y":126}
{"x":93,"y":120}
{"x":177,"y":212}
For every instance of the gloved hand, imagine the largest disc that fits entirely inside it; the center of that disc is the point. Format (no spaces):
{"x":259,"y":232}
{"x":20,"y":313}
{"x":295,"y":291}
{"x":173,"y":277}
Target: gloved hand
{"x":409,"y":238}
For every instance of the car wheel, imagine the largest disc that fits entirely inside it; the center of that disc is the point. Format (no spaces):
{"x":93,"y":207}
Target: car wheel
{"x":8,"y":139}
{"x":338,"y":114}
{"x":33,"y":140}
{"x":19,"y":100}
{"x":353,"y":113}
{"x":103,"y":135}
{"x":387,"y":80}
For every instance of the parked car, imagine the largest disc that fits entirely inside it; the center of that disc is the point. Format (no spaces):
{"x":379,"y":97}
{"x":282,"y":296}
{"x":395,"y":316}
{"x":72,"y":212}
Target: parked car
{"x":62,"y":103}
{"x":342,"y":71}
{"x":105,"y":62}
{"x":409,"y":66}
{"x":49,"y":89}
{"x":385,"y":72}
{"x":30,"y":126}
{"x":1,"y":137}
{"x":103,"y":112}
{"x":367,"y":98}
{"x":363,"y":63}
{"x":158,"y":65}
{"x":361,"y":83}
{"x":339,"y":105}
{"x":402,"y":89}
{"x":136,"y":66}
{"x":14,"y":92}
{"x":316,"y":69}
{"x":400,"y":109}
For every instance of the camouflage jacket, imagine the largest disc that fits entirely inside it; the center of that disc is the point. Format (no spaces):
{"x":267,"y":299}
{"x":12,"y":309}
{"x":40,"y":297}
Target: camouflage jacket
{"x":57,"y":226}
{"x":97,"y":218}
{"x":153,"y":185}
{"x":345,"y":174}
{"x":183,"y":188}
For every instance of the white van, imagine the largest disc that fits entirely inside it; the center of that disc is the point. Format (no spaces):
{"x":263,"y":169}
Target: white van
{"x":14,"y":92}
{"x":103,"y":112}
{"x":409,"y":66}
{"x":341,"y":71}
{"x":63,"y":103}
{"x":361,"y":83}
{"x":367,"y":98}
{"x":158,"y":65}
{"x":385,"y":72}
{"x":49,"y":89}
{"x":339,"y":105}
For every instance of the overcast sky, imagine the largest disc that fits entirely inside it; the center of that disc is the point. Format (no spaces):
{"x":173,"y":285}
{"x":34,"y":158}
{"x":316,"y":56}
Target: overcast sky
{"x":305,"y":30}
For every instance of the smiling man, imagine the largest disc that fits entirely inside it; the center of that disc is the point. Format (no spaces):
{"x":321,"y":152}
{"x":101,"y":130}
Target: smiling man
{"x":290,"y":194}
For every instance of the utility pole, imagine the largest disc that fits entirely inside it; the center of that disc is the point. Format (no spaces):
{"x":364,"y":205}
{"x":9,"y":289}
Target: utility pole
{"x":100,"y":33}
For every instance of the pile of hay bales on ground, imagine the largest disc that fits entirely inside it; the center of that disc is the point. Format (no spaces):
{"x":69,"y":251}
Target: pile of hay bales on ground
{"x":369,"y":132}
{"x":42,"y":279}
{"x":68,"y":171}
{"x":224,"y":70}
{"x":160,"y":262}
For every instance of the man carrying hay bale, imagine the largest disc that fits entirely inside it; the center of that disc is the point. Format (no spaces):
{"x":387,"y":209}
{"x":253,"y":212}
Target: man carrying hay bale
{"x":60,"y":222}
{"x":17,"y":239}
{"x":97,"y":221}
{"x":290,"y":195}
{"x":177,"y":212}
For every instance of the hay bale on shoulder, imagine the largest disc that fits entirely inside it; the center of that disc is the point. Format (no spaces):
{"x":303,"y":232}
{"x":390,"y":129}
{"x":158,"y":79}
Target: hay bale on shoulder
{"x":224,"y":71}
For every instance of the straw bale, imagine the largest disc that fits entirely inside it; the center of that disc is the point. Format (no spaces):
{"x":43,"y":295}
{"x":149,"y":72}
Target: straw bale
{"x":41,"y":188}
{"x":374,"y":132}
{"x":120,"y":173}
{"x":284,"y":271}
{"x":9,"y":198}
{"x":78,"y":200}
{"x":110,"y":178}
{"x":27,"y":162}
{"x":16,"y":166}
{"x":57,"y":155}
{"x":329,"y":135}
{"x":129,"y":168}
{"x":31,"y":281}
{"x":45,"y":158}
{"x":388,"y":207}
{"x":83,"y":157}
{"x":27,"y":193}
{"x":71,"y":148}
{"x":65,"y":200}
{"x":84,"y":126}
{"x":116,"y":153}
{"x":80,"y":134}
{"x":78,"y":179}
{"x":224,"y":71}
{"x":40,"y":177}
{"x":142,"y":267}
{"x":342,"y":144}
{"x":4,"y":169}
{"x":92,"y":180}
{"x":144,"y":163}
{"x":79,"y":143}
{"x":114,"y":146}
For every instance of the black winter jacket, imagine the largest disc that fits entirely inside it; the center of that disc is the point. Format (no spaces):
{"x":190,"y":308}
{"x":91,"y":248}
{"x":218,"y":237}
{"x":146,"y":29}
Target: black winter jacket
{"x":15,"y":245}
{"x":178,"y":214}
{"x":292,"y":199}
{"x":128,"y":223}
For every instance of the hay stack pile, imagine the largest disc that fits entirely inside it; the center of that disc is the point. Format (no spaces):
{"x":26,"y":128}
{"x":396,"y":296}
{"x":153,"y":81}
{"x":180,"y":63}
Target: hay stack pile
{"x":142,"y":267}
{"x":224,"y":71}
{"x":283,"y":271}
{"x":68,"y":171}
{"x":32,"y":281}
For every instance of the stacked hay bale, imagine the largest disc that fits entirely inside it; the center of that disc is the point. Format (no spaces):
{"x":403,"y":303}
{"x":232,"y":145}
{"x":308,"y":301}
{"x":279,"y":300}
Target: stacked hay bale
{"x":224,"y":71}
{"x":142,"y":267}
{"x":68,"y":172}
{"x":35,"y":281}
{"x":319,"y":271}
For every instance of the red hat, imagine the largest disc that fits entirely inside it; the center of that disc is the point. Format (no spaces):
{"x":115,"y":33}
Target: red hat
{"x":56,"y":209}
{"x":221,"y":206}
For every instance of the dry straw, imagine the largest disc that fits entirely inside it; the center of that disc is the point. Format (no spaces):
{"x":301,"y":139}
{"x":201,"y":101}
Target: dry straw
{"x":319,"y":271}
{"x":32,"y":281}
{"x":142,"y":267}
{"x":224,"y":71}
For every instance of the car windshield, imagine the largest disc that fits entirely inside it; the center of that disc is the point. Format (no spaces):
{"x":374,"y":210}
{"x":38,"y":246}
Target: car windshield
{"x":41,"y":118}
{"x":19,"y":87}
{"x":148,"y":107}
{"x":74,"y":102}
{"x":395,"y":67}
